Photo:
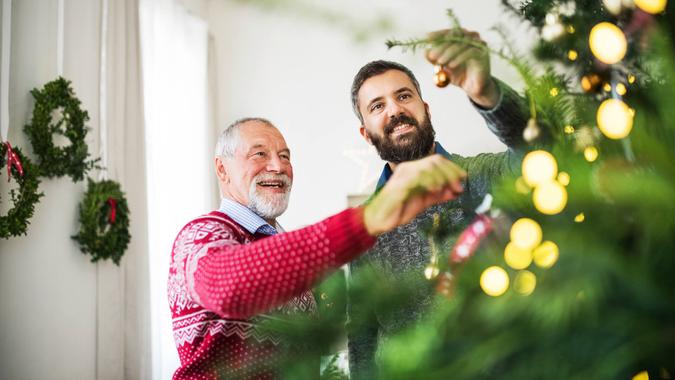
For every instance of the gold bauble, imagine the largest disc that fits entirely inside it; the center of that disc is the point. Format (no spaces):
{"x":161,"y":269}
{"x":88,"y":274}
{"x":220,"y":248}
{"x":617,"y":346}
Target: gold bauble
{"x":615,"y":119}
{"x":608,"y":43}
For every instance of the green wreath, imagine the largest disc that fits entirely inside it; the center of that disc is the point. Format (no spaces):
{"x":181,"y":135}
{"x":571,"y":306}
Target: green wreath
{"x":55,"y":161}
{"x":104,"y":222}
{"x":24,"y":198}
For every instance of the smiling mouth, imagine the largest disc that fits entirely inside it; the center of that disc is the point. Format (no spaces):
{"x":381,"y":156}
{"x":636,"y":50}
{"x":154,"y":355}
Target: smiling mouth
{"x":272,"y":185}
{"x":402,"y":129}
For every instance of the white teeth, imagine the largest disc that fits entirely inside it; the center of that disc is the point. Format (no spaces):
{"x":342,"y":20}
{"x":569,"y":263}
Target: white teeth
{"x":400,"y":127}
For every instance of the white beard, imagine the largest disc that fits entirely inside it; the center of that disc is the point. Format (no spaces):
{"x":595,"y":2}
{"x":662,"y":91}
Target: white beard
{"x":269,"y":206}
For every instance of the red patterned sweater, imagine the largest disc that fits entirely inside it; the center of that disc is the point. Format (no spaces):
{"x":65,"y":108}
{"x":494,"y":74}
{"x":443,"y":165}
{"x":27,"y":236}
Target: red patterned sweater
{"x":223,"y":278}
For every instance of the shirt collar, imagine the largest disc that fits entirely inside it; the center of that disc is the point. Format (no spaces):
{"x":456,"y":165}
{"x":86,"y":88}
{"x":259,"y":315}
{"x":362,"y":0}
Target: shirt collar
{"x":246,"y":218}
{"x":386,"y":171}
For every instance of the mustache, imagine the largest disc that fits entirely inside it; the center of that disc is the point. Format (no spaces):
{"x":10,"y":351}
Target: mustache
{"x":398,"y":120}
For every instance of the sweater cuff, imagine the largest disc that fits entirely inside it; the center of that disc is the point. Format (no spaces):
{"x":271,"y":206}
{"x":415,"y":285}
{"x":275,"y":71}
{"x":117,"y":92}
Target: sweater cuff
{"x":348,"y":235}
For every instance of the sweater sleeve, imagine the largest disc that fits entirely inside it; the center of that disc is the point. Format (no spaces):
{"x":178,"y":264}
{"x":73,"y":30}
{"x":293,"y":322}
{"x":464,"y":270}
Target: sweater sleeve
{"x":239,"y":281}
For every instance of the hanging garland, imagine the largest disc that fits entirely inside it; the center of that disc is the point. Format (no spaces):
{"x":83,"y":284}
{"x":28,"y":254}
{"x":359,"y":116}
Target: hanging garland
{"x":104,"y":221}
{"x":16,"y":221}
{"x":55,"y":161}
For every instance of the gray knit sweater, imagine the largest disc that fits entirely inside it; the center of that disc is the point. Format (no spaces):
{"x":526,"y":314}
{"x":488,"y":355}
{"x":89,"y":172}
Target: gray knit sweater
{"x":405,"y":250}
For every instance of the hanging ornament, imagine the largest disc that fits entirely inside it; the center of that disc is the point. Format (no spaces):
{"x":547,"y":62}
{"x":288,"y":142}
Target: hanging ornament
{"x":26,"y":174}
{"x":608,"y":43}
{"x":652,"y":6}
{"x":531,"y":132}
{"x":615,"y":119}
{"x":441,"y":77}
{"x":539,"y":166}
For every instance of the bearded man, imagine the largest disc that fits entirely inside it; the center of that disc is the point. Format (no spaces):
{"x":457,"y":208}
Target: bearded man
{"x":233,"y":268}
{"x":394,"y":118}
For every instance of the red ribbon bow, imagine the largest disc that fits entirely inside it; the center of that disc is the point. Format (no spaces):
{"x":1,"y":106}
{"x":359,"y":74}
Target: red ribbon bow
{"x":113,"y":210}
{"x":12,"y":160}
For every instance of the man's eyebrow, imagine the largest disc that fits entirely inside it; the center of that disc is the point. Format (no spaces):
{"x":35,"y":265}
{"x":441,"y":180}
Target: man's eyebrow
{"x":374,"y":100}
{"x":285,"y":150}
{"x":256,"y":146}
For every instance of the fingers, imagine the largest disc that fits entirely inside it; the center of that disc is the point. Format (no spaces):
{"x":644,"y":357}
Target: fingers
{"x":444,"y":53}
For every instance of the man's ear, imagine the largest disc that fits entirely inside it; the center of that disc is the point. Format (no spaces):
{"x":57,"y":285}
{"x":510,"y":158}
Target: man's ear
{"x":426,"y":107}
{"x":364,"y":134}
{"x":221,"y":171}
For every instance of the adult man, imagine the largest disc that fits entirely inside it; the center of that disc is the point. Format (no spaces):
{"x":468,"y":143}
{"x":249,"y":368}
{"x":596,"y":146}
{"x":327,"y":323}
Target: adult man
{"x":229,"y":268}
{"x":387,"y":100}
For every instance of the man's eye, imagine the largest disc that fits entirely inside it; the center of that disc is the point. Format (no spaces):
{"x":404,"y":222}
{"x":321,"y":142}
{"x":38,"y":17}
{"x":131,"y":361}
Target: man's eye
{"x":285,"y":157}
{"x":259,"y":154}
{"x":376,"y":107}
{"x":404,"y":96}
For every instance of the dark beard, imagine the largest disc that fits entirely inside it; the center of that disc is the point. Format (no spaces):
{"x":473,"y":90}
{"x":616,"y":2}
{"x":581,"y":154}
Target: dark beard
{"x":411,"y":146}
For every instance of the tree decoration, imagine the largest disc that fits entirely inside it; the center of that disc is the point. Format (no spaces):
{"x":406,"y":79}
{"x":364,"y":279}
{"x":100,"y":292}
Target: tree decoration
{"x":104,"y":222}
{"x":24,"y":198}
{"x":58,"y":97}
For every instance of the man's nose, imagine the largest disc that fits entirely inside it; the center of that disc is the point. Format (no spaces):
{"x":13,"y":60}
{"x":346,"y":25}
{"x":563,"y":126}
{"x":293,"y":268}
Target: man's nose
{"x":394,"y":109}
{"x":274,"y":164}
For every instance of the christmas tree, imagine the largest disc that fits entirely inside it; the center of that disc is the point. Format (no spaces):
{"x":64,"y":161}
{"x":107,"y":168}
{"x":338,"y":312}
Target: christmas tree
{"x":573,"y":280}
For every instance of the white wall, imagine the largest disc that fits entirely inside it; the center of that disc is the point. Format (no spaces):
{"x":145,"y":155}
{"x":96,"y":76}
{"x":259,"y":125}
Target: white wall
{"x":296,"y":70}
{"x":47,"y":287}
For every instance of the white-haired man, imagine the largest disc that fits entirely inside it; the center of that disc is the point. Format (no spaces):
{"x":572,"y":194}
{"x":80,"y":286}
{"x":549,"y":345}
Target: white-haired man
{"x":234,"y":267}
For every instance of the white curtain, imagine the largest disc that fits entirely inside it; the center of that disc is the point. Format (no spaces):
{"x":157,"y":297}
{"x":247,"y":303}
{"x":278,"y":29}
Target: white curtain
{"x":123,"y":336}
{"x":179,"y":146}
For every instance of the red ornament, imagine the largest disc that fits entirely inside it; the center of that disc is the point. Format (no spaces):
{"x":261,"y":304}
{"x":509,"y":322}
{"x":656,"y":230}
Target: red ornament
{"x":471,"y":238}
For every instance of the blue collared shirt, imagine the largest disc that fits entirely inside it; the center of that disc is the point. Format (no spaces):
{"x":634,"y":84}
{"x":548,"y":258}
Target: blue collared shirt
{"x":246,"y":218}
{"x":386,"y":172}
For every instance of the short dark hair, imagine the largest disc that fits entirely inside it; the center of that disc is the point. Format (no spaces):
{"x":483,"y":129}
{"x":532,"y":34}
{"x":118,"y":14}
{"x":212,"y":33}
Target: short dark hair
{"x":372,"y":69}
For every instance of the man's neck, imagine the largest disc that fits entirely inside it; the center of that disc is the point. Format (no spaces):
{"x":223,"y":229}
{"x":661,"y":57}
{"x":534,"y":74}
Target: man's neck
{"x":393,"y":165}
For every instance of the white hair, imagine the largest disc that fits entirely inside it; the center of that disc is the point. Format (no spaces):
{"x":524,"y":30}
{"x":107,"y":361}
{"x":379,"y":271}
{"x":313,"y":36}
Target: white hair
{"x":229,"y":138}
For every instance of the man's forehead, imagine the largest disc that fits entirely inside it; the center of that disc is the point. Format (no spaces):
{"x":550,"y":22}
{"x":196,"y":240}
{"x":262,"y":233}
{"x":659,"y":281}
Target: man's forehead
{"x":258,"y":134}
{"x":390,"y":81}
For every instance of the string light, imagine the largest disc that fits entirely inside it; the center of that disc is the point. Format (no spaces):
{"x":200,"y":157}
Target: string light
{"x":568,"y":129}
{"x":572,"y":55}
{"x":652,"y":6}
{"x":554,"y":92}
{"x":621,"y":89}
{"x":580,"y":217}
{"x":607,"y":87}
{"x":517,"y":258}
{"x":608,"y":43}
{"x":644,"y":375}
{"x":550,"y":197}
{"x":525,"y":233}
{"x":631,"y":78}
{"x":539,"y":166}
{"x":494,"y":281}
{"x":614,"y":118}
{"x":525,"y":282}
{"x":591,"y":153}
{"x":564,"y":178}
{"x":546,"y":255}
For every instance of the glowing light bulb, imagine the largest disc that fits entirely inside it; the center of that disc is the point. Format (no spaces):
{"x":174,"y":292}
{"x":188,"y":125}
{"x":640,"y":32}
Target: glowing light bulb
{"x":608,"y":43}
{"x":494,"y":281}
{"x":554,"y":92}
{"x":525,"y":233}
{"x":651,"y":6}
{"x":580,"y":217}
{"x":564,"y":178}
{"x":539,"y":166}
{"x":572,"y":55}
{"x":550,"y":197}
{"x":644,"y":375}
{"x":621,"y":89}
{"x":568,"y":129}
{"x":614,"y":118}
{"x":525,"y":282}
{"x":516,"y":257}
{"x":546,"y":255}
{"x":591,"y":153}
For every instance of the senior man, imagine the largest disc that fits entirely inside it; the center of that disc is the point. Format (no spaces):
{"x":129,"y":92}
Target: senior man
{"x":235,"y":267}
